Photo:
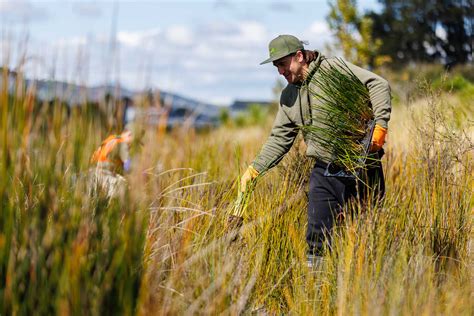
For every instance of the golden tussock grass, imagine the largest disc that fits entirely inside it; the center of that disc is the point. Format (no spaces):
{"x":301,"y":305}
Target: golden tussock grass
{"x":162,"y":248}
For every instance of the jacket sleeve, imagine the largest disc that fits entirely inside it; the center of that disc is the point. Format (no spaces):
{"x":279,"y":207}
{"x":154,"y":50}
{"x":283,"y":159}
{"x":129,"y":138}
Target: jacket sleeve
{"x":379,"y":91}
{"x":279,"y":142}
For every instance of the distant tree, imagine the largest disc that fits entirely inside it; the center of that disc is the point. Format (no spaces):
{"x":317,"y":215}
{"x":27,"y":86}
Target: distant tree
{"x":425,"y":30}
{"x":354,"y":33}
{"x":457,"y":20}
{"x":224,"y":115}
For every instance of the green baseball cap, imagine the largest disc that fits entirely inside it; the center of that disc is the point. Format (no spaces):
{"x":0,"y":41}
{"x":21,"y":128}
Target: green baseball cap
{"x":281,"y":46}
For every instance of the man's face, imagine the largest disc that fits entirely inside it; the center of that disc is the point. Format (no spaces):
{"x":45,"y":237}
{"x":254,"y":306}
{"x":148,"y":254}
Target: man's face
{"x":291,"y":67}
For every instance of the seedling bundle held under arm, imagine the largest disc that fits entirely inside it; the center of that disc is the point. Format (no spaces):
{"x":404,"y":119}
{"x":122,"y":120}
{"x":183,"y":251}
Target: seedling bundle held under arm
{"x":345,"y":118}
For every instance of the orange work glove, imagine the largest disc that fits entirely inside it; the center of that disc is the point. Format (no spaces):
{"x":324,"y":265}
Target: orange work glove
{"x":109,"y":144}
{"x":249,"y":175}
{"x":378,"y":138}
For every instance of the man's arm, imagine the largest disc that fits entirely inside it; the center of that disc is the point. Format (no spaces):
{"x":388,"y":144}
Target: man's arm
{"x":279,"y":142}
{"x":281,"y":139}
{"x":380,"y":98}
{"x":379,"y":91}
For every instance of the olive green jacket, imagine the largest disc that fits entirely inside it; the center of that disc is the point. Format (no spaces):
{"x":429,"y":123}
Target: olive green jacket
{"x":298,"y":108}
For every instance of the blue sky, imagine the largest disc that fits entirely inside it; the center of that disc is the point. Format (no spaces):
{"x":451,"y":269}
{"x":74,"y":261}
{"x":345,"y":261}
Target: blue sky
{"x":207,"y":50}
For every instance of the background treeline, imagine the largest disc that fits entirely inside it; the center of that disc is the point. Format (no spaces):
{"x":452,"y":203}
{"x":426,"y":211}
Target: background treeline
{"x":402,"y":32}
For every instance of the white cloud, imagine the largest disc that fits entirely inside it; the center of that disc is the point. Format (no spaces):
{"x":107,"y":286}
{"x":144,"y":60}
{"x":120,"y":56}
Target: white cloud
{"x":215,"y":46}
{"x":319,"y":28}
{"x":129,"y":38}
{"x":253,"y":32}
{"x":137,"y":38}
{"x":179,"y":35}
{"x":203,"y":50}
{"x":209,"y":78}
{"x":318,"y":35}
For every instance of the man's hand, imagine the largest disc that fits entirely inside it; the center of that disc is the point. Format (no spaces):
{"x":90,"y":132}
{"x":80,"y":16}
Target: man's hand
{"x":249,"y":175}
{"x":378,"y":138}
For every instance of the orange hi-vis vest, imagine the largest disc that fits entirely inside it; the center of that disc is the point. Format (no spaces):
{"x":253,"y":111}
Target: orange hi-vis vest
{"x":101,"y":155}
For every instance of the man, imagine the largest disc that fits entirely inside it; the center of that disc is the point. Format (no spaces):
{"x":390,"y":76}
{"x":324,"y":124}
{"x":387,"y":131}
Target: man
{"x":327,"y":195}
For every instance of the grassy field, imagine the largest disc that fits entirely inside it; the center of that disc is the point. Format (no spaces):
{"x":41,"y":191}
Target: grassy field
{"x":162,"y":247}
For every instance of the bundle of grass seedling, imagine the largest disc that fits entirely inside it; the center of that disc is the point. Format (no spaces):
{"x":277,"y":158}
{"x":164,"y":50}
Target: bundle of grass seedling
{"x":236,"y":215}
{"x":344,"y":116}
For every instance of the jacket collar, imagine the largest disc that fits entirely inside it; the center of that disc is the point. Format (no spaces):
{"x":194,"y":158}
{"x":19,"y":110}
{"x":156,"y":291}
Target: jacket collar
{"x":313,"y":67}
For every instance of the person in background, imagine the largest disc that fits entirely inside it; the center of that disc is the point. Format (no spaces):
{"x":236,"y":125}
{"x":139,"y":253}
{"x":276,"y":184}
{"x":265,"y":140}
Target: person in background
{"x":110,"y":161}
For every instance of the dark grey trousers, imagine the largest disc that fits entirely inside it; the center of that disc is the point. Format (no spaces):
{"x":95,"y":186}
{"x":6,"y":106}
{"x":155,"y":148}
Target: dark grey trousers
{"x":328,"y":195}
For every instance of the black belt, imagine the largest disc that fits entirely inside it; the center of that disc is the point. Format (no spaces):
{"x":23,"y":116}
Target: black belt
{"x":321,"y":164}
{"x":334,"y":170}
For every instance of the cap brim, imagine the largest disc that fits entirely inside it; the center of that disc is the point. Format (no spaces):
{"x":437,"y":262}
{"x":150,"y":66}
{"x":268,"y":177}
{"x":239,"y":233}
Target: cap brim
{"x":269,"y":60}
{"x":266,"y":61}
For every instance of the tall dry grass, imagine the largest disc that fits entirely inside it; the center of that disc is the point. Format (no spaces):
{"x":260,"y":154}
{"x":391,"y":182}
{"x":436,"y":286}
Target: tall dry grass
{"x":62,"y":250}
{"x":162,"y":246}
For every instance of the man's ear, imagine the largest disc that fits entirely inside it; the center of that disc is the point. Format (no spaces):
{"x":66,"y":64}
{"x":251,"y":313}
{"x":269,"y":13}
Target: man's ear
{"x":299,"y":56}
